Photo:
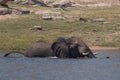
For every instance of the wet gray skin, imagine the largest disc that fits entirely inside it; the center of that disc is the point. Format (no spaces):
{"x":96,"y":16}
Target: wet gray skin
{"x":17,"y":67}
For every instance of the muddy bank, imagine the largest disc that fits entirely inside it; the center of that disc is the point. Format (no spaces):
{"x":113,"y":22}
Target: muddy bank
{"x":104,"y":48}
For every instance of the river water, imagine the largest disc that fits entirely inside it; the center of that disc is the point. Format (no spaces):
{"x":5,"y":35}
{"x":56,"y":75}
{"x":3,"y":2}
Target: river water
{"x":18,"y":67}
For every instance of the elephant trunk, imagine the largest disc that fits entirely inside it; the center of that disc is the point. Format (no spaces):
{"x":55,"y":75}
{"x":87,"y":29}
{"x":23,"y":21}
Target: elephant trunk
{"x":90,"y":54}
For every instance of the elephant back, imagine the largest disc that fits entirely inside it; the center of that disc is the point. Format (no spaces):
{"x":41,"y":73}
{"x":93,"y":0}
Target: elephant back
{"x":40,"y":49}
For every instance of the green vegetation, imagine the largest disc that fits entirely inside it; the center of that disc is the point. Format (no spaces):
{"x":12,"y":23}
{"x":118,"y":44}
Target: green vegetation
{"x":16,"y":34}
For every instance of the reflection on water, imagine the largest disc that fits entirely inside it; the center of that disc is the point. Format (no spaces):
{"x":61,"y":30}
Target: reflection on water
{"x":17,"y":67}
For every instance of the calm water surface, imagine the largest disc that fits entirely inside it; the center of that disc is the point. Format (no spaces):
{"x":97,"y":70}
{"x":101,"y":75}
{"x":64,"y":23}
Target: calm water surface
{"x":17,"y":67}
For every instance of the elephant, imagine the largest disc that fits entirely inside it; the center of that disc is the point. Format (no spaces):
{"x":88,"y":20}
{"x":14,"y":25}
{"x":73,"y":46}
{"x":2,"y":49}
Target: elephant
{"x":78,"y":46}
{"x":38,"y":49}
{"x":62,"y":47}
{"x":73,"y":47}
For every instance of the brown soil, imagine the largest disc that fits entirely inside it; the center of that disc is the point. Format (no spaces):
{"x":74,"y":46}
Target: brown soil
{"x":104,"y":48}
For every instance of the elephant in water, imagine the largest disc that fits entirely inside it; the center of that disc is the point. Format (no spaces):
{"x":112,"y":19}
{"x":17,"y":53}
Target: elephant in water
{"x":62,"y":47}
{"x":72,"y":47}
{"x":38,"y":49}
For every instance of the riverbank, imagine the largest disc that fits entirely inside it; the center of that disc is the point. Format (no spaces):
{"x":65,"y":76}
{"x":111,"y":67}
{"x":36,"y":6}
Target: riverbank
{"x":104,"y":48}
{"x":93,"y":48}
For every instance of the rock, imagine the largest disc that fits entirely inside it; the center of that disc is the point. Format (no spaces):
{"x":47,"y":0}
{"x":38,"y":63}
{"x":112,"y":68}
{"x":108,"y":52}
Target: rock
{"x":30,"y":2}
{"x":78,"y":5}
{"x":47,"y":12}
{"x":67,"y":16}
{"x":62,"y":4}
{"x":4,"y":11}
{"x":69,"y":3}
{"x":99,"y":5}
{"x":24,"y":2}
{"x":53,"y":18}
{"x":20,"y":11}
{"x":53,"y":3}
{"x":57,"y":18}
{"x":106,"y":22}
{"x":48,"y":2}
{"x":49,"y":15}
{"x":37,"y":28}
{"x":99,"y":20}
{"x":47,"y":18}
{"x":93,"y":20}
{"x":42,"y":12}
{"x":85,"y":19}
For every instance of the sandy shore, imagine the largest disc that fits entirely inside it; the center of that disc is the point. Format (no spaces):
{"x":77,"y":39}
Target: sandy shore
{"x":104,"y":48}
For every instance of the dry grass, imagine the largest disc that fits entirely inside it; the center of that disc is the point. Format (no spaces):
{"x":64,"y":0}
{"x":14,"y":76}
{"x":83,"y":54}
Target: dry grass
{"x":16,"y":33}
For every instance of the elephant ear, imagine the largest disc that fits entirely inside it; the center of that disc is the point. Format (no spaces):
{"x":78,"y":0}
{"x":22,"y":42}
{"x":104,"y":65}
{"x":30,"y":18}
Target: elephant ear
{"x":53,"y":45}
{"x":58,"y":41}
{"x":59,"y":47}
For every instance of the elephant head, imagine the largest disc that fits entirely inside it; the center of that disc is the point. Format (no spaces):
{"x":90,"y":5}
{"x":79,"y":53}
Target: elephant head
{"x":78,"y":46}
{"x":72,"y":47}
